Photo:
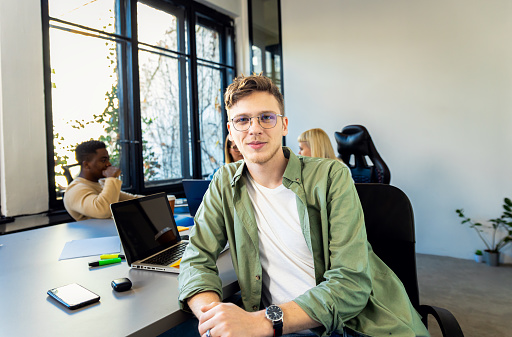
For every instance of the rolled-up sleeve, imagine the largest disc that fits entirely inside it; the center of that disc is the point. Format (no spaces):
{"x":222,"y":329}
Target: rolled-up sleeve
{"x":198,"y":269}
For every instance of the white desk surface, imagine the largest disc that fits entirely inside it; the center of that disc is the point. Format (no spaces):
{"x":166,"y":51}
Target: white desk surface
{"x":30,"y":266}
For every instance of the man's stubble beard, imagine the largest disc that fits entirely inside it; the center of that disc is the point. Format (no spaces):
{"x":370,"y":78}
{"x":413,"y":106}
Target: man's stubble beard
{"x":265,"y":159}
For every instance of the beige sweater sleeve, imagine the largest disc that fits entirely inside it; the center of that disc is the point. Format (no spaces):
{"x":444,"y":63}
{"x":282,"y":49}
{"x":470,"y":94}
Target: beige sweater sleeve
{"x":89,"y":200}
{"x":127,"y":196}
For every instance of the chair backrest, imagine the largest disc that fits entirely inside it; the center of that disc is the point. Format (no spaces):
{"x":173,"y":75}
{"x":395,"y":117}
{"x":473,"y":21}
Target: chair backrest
{"x":67,"y":172}
{"x":355,"y":140}
{"x":389,"y":224}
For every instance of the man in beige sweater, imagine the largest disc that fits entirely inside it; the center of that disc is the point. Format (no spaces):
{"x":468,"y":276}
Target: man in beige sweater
{"x":85,"y":197}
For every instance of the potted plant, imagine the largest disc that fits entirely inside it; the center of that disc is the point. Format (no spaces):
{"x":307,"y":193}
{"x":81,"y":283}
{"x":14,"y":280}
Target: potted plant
{"x":504,"y":222}
{"x":479,"y":256}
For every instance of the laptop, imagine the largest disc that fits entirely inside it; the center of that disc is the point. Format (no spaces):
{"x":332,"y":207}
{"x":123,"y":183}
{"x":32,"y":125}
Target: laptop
{"x":194,"y":191}
{"x":148,"y":233}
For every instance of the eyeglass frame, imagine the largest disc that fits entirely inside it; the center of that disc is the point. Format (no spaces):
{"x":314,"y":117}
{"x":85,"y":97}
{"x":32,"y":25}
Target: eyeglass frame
{"x":259,"y":122}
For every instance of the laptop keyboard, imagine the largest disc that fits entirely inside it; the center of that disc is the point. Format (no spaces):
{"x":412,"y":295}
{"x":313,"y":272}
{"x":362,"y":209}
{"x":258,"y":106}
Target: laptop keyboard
{"x":169,"y":256}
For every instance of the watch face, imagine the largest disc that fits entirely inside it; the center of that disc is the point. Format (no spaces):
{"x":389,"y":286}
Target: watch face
{"x":274,"y":313}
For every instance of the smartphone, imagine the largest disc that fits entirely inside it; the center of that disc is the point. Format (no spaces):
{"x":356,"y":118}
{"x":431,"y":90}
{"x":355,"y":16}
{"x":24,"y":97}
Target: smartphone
{"x":73,"y":296}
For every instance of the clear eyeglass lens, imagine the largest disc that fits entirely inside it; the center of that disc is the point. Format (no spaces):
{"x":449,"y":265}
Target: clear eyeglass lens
{"x":267,"y":120}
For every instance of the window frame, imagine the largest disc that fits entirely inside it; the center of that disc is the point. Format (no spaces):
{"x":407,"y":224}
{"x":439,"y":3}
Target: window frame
{"x":279,"y":46}
{"x":129,"y":97}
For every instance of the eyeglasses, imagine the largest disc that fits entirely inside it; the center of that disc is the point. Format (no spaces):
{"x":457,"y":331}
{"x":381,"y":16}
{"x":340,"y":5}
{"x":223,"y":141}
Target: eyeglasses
{"x":267,"y":120}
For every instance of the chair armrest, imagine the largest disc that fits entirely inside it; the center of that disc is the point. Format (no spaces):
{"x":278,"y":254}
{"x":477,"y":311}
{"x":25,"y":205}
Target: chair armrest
{"x":447,"y":322}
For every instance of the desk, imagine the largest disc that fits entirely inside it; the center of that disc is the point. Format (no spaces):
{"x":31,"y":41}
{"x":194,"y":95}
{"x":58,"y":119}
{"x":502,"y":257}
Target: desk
{"x":29,"y":267}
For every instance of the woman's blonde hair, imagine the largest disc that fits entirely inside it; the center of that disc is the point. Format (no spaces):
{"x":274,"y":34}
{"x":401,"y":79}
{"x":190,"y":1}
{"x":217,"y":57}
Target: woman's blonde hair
{"x":318,"y":142}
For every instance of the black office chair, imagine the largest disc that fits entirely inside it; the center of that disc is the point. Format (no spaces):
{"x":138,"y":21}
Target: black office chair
{"x":389,"y":224}
{"x":67,"y":172}
{"x":354,"y":140}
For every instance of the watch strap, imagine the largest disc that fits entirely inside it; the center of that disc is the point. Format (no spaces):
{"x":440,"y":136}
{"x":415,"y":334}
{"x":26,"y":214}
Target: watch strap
{"x":278,"y":329}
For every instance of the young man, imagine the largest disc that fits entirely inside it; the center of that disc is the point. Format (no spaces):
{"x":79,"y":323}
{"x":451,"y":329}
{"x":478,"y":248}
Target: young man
{"x":298,"y":243}
{"x":85,"y":197}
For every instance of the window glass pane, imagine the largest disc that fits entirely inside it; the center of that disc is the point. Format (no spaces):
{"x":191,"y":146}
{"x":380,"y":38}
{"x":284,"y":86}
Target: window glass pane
{"x":207,"y":44}
{"x":161,"y":95}
{"x":211,"y":120}
{"x":277,"y":70}
{"x":156,"y":27}
{"x":160,"y":116}
{"x":85,"y":103}
{"x":99,"y":14}
{"x":257,"y":60}
{"x":266,"y":48}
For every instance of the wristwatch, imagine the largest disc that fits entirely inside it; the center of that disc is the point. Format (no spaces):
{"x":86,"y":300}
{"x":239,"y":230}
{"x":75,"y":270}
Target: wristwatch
{"x":275,"y":315}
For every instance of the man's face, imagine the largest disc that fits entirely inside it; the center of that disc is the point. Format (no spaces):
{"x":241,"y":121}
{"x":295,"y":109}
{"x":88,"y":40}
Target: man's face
{"x":99,"y":163}
{"x":258,"y":145}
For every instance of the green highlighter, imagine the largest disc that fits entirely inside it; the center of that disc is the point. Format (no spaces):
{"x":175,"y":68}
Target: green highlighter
{"x":104,"y":262}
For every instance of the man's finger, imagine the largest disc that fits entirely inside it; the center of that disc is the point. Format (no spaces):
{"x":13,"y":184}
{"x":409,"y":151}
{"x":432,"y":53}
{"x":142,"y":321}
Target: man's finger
{"x":208,"y":313}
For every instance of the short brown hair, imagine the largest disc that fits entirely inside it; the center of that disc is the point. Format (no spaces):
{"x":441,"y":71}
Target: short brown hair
{"x":243,"y":86}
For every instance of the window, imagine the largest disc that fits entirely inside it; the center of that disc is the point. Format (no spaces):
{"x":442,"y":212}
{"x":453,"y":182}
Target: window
{"x":147,"y":78}
{"x":265,"y":39}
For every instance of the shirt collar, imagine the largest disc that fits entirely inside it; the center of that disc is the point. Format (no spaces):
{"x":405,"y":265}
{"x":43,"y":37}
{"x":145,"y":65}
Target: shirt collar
{"x":238,"y":173}
{"x":293,"y":172}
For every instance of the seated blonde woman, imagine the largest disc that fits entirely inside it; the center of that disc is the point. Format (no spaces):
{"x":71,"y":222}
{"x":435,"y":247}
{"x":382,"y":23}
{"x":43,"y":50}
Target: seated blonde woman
{"x":231,"y":152}
{"x":316,"y":143}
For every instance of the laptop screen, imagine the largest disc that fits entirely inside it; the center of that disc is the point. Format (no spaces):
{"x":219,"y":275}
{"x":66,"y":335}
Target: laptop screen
{"x":145,"y":226}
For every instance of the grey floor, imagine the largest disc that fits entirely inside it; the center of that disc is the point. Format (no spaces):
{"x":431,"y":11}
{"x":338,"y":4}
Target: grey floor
{"x":479,"y":296}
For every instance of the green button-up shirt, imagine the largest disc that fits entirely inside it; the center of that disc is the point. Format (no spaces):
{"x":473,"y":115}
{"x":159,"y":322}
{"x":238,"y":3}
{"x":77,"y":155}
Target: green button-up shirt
{"x":353,"y":286}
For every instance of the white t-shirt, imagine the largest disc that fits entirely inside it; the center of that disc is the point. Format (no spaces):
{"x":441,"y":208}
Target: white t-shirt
{"x":288,"y":267}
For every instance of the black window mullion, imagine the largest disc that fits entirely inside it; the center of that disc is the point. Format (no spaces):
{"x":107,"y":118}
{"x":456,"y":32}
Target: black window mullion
{"x":123,"y":88}
{"x":135,"y":144}
{"x":227,"y":73}
{"x":280,"y":45}
{"x":251,"y":33}
{"x":53,"y":202}
{"x":184,"y":111}
{"x":64,"y":25}
{"x":194,"y":96}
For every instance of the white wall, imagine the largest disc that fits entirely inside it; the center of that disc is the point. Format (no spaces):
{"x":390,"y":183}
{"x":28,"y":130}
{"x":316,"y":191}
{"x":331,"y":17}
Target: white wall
{"x":432,"y":82}
{"x":24,"y":182}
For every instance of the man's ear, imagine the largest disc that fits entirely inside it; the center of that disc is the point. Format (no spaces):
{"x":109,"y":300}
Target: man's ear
{"x":285,"y":125}
{"x":85,"y":165}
